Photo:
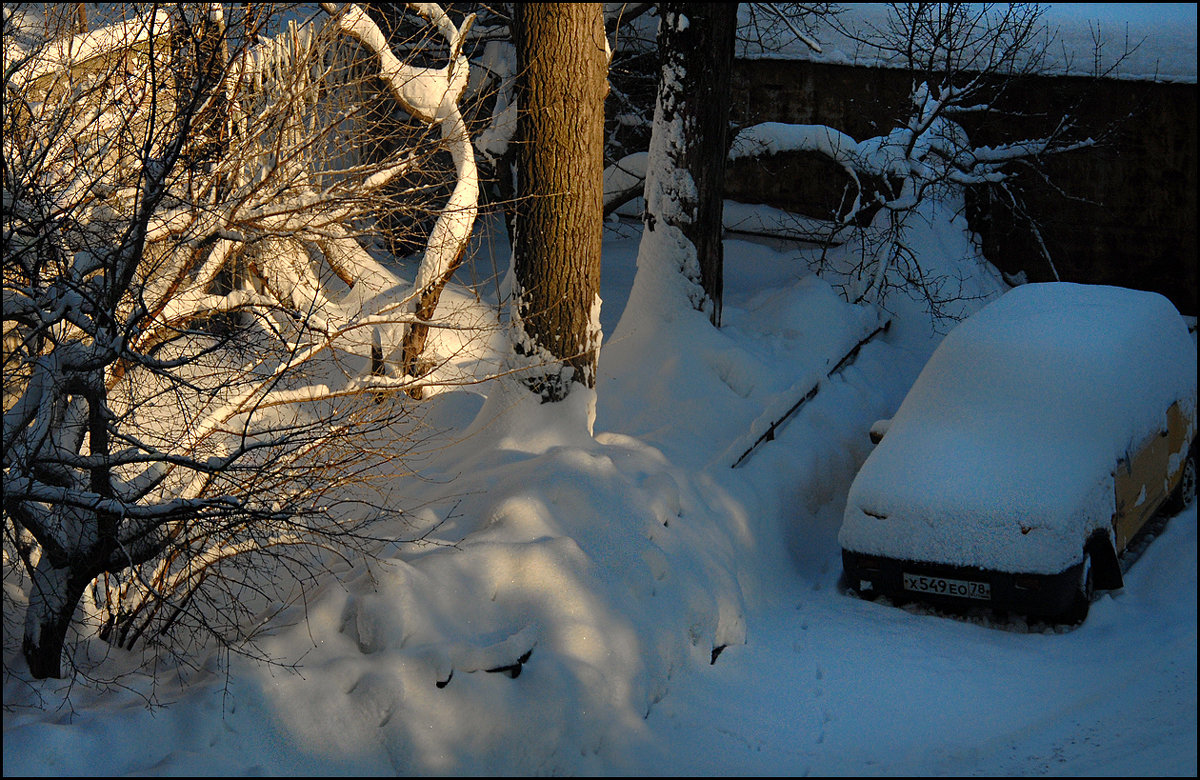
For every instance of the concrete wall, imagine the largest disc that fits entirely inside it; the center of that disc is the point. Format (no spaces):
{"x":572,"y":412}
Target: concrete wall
{"x":1128,"y":215}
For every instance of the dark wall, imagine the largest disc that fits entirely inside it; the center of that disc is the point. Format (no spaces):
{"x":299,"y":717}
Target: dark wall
{"x":1121,"y":212}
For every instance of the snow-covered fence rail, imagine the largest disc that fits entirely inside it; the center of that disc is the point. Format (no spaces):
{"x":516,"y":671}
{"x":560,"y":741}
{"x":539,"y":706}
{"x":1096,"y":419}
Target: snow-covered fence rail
{"x":775,"y":423}
{"x":296,"y":64}
{"x":91,"y":51}
{"x":322,"y":77}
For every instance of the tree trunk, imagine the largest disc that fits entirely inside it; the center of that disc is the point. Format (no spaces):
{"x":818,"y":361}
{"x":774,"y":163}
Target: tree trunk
{"x":52,"y":599}
{"x":417,"y":334}
{"x":695,"y":42}
{"x":562,"y":66}
{"x":58,"y":581}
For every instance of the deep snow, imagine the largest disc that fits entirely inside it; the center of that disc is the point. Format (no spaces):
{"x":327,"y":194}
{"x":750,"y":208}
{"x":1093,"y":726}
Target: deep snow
{"x":675,"y":615}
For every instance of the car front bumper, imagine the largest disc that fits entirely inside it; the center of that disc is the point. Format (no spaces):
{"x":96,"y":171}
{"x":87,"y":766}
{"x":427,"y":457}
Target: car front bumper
{"x":961,"y":587}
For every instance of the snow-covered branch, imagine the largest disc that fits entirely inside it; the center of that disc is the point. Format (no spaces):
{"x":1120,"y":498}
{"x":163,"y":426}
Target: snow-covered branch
{"x":431,"y":95}
{"x":194,"y":313}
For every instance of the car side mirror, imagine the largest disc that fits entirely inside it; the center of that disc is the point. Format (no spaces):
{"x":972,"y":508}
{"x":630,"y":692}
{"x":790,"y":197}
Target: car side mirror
{"x":879,"y":429}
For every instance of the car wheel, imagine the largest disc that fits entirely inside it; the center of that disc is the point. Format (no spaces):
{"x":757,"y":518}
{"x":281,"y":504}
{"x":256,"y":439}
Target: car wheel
{"x":1185,"y":492}
{"x":1078,"y":611}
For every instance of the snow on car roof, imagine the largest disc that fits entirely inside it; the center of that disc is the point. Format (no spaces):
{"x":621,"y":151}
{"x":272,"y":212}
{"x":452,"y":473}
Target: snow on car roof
{"x":1002,"y":453}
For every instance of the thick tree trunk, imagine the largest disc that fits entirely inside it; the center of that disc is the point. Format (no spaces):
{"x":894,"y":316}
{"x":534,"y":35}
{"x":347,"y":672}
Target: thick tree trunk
{"x":562,"y":66}
{"x":695,"y":42}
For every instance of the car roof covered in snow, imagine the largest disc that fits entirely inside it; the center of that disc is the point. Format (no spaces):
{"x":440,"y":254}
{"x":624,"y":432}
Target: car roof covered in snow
{"x":1015,"y":425}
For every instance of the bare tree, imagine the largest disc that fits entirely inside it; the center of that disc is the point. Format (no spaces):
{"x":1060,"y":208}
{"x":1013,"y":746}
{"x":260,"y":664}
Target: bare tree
{"x":562,"y":59}
{"x":964,"y":59}
{"x":199,"y":363}
{"x":770,"y":27}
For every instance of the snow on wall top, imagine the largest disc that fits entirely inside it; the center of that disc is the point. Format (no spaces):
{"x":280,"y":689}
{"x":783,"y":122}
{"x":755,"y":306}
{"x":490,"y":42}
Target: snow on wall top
{"x":1002,"y":453}
{"x":1164,"y":35}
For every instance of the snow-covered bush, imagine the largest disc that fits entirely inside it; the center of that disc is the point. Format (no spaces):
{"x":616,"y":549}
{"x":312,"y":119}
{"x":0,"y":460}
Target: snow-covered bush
{"x":202,"y":353}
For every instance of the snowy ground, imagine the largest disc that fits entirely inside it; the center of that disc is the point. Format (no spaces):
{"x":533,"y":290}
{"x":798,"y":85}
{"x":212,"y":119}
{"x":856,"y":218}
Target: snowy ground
{"x":613,"y":566}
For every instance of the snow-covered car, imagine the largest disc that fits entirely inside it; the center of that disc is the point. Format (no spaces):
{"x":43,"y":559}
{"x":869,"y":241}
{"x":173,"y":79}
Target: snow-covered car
{"x":1041,"y":436}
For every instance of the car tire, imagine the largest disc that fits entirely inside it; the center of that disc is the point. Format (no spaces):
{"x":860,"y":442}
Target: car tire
{"x":1082,"y":602}
{"x":1185,"y":492}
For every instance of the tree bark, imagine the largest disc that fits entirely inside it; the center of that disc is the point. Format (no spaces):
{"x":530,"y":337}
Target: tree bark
{"x":695,"y":42}
{"x":561,"y":85}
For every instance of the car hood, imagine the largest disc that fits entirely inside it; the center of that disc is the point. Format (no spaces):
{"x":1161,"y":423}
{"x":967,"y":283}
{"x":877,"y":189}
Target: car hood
{"x":951,"y":501}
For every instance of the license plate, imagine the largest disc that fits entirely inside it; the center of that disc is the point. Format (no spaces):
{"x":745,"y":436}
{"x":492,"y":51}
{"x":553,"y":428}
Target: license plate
{"x":942,"y":586}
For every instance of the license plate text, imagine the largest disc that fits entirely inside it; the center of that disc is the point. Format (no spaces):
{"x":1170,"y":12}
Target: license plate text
{"x":967,"y":589}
